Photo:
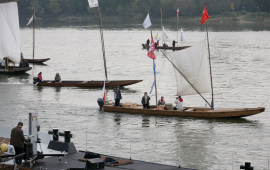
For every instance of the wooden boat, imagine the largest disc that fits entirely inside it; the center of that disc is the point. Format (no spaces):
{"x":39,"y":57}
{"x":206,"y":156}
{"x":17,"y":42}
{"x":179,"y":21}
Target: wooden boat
{"x":198,"y":112}
{"x":15,"y":69}
{"x":192,"y":70}
{"x":37,"y":60}
{"x":92,"y":83}
{"x":10,"y":38}
{"x":88,"y":83}
{"x":33,"y":60}
{"x":165,"y":48}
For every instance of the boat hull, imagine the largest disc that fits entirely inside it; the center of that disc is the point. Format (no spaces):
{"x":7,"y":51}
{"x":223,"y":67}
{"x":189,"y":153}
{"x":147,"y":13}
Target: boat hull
{"x":166,"y":48}
{"x":188,"y":112}
{"x":15,"y":70}
{"x":37,"y":60}
{"x":88,"y":83}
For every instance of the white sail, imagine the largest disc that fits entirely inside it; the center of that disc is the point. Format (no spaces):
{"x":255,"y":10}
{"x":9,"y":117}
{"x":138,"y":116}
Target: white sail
{"x":193,"y":63}
{"x":183,"y":38}
{"x":165,"y":37}
{"x":9,"y":31}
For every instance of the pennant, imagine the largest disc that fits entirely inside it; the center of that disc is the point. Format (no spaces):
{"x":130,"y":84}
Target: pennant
{"x":103,"y":92}
{"x":151,"y":53}
{"x":147,"y":22}
{"x":152,"y":87}
{"x":205,"y":15}
{"x":157,"y":38}
{"x":177,"y":12}
{"x":30,"y":20}
{"x":93,"y":3}
{"x":154,"y":67}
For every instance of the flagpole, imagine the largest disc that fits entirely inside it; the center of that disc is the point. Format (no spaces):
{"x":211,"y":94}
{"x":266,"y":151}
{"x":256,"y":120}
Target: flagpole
{"x":102,"y":41}
{"x":33,"y":33}
{"x":154,"y":74}
{"x":212,"y":104}
{"x":177,"y":29}
{"x":186,"y":78}
{"x":161,"y":23}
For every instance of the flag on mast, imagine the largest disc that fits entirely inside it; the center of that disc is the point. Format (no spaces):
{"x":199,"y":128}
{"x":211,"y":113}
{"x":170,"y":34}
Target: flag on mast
{"x":103,"y":92}
{"x":30,"y":20}
{"x":205,"y":15}
{"x":147,"y":22}
{"x":93,"y":3}
{"x":177,"y":12}
{"x":151,"y":53}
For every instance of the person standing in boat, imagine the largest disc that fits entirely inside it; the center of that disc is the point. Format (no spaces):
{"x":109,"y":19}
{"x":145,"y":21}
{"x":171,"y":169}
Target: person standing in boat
{"x":179,"y":103}
{"x":117,"y":96}
{"x":145,"y":101}
{"x":148,"y":42}
{"x":57,"y":78}
{"x":3,"y":63}
{"x":161,"y":101}
{"x":173,"y":43}
{"x":17,"y":140}
{"x":39,"y":78}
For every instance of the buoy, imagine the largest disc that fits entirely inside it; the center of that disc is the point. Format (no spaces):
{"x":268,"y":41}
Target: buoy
{"x":4,"y":147}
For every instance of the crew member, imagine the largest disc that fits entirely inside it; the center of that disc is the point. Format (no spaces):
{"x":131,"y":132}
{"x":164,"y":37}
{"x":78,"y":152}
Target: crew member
{"x":179,"y":103}
{"x":145,"y":100}
{"x":17,"y":140}
{"x":57,"y":78}
{"x":3,"y":63}
{"x":117,"y":96}
{"x":39,"y":78}
{"x":173,"y":43}
{"x":148,"y":42}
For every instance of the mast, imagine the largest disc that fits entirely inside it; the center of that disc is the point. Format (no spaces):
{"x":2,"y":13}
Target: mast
{"x":154,"y":67}
{"x":161,"y":23}
{"x":102,"y":41}
{"x":177,"y":27}
{"x":186,"y":79}
{"x":33,"y":32}
{"x":212,"y":104}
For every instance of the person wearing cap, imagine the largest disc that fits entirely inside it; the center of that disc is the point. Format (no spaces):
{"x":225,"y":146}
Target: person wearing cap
{"x":179,"y":103}
{"x":145,"y":100}
{"x":17,"y":140}
{"x":161,"y":101}
{"x":57,"y":78}
{"x":39,"y":78}
{"x":117,"y":96}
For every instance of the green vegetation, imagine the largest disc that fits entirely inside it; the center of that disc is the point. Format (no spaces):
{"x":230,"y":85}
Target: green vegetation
{"x":138,"y":9}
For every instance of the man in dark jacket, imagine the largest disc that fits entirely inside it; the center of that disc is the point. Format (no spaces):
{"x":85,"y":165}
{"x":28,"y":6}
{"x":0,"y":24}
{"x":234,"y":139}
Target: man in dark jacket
{"x":17,"y":140}
{"x":117,"y":96}
{"x":145,"y":100}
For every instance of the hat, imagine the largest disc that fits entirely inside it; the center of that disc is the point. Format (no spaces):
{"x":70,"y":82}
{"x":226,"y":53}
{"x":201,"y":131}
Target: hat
{"x":162,"y":97}
{"x":20,"y":123}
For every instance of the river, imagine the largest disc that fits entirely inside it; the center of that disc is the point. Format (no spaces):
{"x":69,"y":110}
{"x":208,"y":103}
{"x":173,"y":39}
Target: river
{"x":240,"y":54}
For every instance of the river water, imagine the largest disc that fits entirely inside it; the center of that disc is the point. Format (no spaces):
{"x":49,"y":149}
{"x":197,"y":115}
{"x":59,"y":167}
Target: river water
{"x":240,"y":64}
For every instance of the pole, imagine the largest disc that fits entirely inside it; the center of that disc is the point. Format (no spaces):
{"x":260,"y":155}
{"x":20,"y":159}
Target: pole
{"x":161,"y":23}
{"x":185,"y":78}
{"x":102,"y":42}
{"x":33,"y":33}
{"x":177,"y":30}
{"x":212,"y":104}
{"x":265,"y":102}
{"x":154,"y":65}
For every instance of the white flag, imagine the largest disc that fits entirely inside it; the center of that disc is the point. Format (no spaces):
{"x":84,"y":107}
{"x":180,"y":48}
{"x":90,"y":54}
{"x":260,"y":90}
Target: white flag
{"x":93,"y":3}
{"x":147,"y":22}
{"x":30,"y":20}
{"x":183,"y":38}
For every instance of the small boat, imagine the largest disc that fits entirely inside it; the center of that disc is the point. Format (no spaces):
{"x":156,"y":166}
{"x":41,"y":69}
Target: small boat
{"x":10,"y":46}
{"x":198,"y":112}
{"x":37,"y":60}
{"x":88,"y":83}
{"x":165,"y":48}
{"x":91,"y":83}
{"x":33,"y":60}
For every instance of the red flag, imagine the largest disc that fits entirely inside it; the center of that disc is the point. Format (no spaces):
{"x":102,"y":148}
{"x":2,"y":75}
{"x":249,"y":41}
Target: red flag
{"x":177,"y":12}
{"x":205,"y":15}
{"x":151,"y":53}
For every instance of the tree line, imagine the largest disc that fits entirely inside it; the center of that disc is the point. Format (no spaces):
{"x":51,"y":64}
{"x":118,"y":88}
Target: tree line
{"x":138,"y":9}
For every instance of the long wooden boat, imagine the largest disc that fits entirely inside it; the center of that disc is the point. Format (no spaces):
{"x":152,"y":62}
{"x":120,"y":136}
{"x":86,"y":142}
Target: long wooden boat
{"x":37,"y":60}
{"x":198,"y":112}
{"x":15,"y":69}
{"x":165,"y":48}
{"x":88,"y":83}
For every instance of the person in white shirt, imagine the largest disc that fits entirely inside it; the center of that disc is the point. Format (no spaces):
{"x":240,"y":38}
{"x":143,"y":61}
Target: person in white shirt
{"x":179,"y":103}
{"x":3,"y":63}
